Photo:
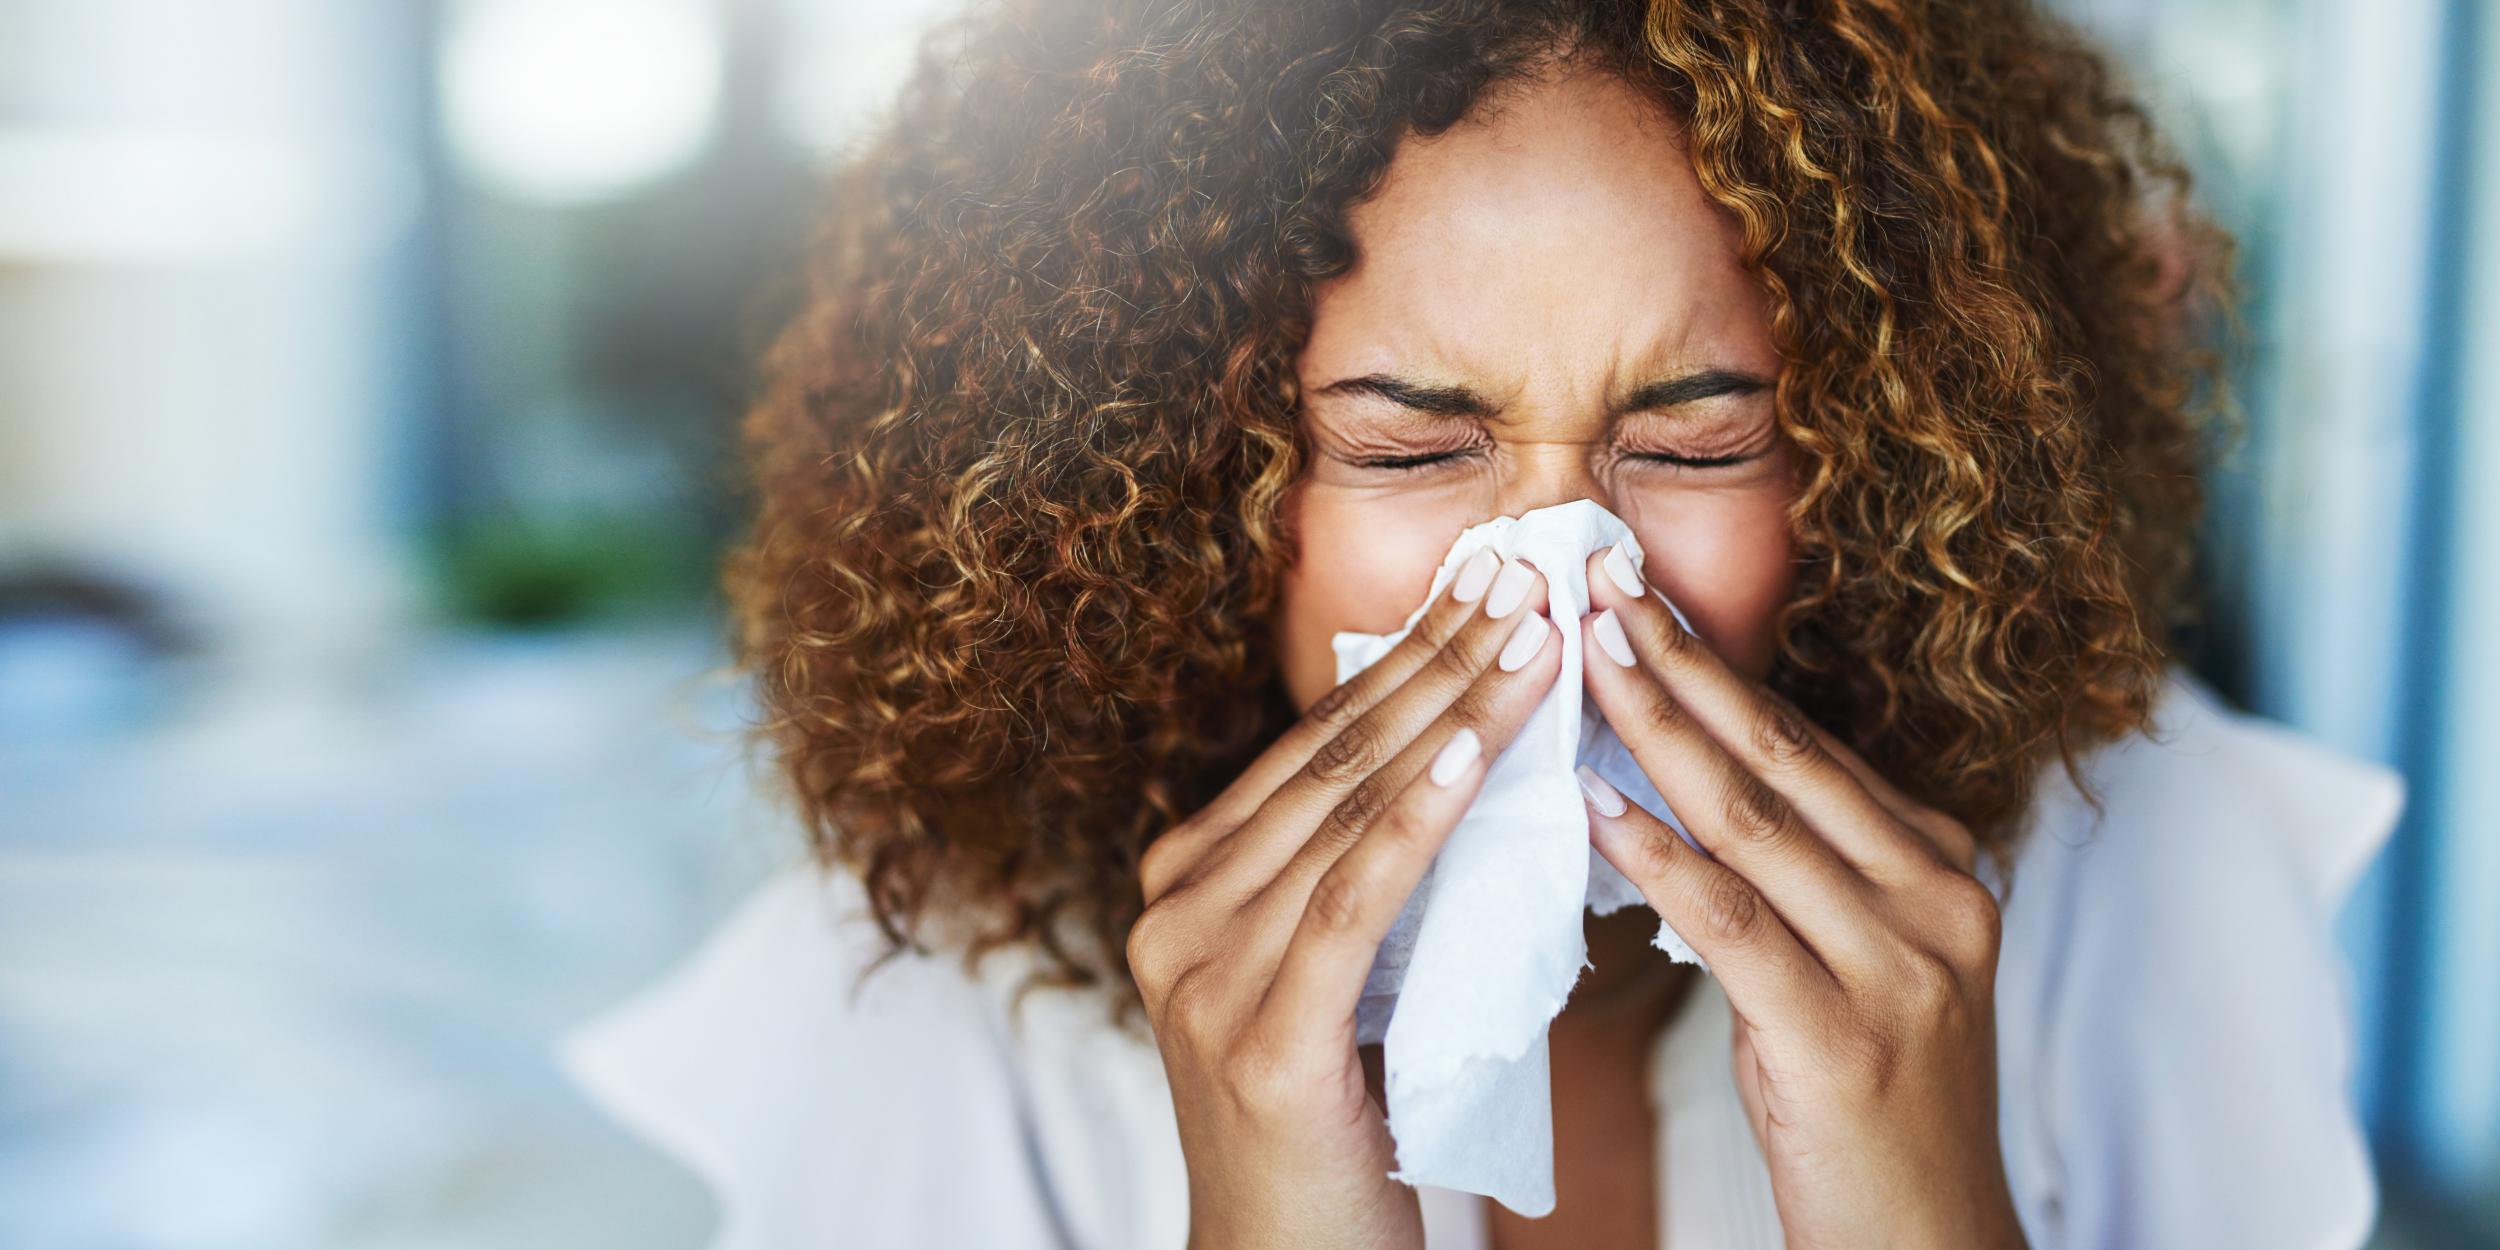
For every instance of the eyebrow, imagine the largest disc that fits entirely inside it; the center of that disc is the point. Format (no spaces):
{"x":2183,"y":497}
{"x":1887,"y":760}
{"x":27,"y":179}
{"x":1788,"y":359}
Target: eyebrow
{"x":1462,"y":401}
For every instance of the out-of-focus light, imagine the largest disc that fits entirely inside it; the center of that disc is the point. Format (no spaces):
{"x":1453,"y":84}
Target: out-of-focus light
{"x":840,"y":81}
{"x":576,"y":101}
{"x":126,"y":195}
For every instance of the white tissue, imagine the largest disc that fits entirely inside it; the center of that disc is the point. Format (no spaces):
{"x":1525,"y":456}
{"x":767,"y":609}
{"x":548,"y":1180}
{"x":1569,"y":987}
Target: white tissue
{"x":1487,"y":948}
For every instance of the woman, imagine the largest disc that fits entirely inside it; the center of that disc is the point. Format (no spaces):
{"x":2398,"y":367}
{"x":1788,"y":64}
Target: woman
{"x":1157,"y":341}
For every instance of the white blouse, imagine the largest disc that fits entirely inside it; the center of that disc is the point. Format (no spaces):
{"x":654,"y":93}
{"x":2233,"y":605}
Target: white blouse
{"x":2173,"y":1023}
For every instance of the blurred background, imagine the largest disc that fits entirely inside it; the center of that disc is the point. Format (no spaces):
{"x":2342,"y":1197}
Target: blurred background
{"x":367,"y":376}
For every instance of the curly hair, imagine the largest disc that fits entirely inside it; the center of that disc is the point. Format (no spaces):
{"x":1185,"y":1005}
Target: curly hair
{"x":1019,"y":455}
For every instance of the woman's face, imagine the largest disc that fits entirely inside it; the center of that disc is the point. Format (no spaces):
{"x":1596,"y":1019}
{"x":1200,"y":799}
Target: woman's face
{"x":1546,"y":308}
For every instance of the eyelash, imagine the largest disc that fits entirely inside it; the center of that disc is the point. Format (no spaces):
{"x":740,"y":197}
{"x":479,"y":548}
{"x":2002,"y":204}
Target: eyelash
{"x":1400,"y":464}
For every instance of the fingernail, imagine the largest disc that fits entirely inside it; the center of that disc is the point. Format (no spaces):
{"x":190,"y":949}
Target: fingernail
{"x":1475,"y":575}
{"x":1524,"y":643}
{"x":1610,"y":638}
{"x":1605,"y":798}
{"x":1455,"y":755}
{"x":1620,"y":567}
{"x":1509,"y":590}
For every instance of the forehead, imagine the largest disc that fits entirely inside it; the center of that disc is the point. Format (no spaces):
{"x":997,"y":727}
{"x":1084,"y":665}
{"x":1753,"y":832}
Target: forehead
{"x":1562,"y":225}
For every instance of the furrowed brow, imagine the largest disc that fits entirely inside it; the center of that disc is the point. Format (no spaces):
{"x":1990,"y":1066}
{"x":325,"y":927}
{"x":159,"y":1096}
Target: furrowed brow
{"x":1687,"y":388}
{"x":1439,"y":401}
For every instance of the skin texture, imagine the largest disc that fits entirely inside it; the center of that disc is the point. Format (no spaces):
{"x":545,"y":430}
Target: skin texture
{"x":1551,"y":256}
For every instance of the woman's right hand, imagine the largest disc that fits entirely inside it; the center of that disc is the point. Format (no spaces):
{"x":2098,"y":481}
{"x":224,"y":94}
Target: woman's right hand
{"x":1264,"y":911}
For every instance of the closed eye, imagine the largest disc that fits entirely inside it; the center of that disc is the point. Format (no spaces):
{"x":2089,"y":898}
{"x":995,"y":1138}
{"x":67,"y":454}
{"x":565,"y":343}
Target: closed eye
{"x":1693,"y":462}
{"x":1405,"y":463}
{"x":1395,"y":463}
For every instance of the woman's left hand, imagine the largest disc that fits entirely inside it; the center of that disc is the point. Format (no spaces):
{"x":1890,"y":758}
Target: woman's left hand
{"x":1855,"y":948}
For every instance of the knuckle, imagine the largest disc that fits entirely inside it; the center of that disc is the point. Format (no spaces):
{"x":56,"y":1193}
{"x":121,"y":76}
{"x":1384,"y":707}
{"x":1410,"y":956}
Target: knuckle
{"x":1259,"y":1077}
{"x":1668,"y":641}
{"x":1472,"y":707}
{"x":1154,"y":871}
{"x":1459,"y":660}
{"x":1401,"y":826}
{"x":1157,"y":866}
{"x":1755,"y":812}
{"x":1870,"y":1050}
{"x":1336,"y":903}
{"x":1780,"y":735}
{"x":1441,"y":622}
{"x":1353,"y":814}
{"x":1656,"y":850}
{"x":1189,"y":995}
{"x":1930,"y":990}
{"x":1353,"y":752}
{"x":1333,"y":708}
{"x":1731,"y":910}
{"x":1148,"y":950}
{"x":1667,"y":715}
{"x":1972,"y":921}
{"x":1953,"y":838}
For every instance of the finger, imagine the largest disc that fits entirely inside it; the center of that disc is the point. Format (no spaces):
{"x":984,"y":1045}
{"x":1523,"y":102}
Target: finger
{"x":1457,"y":603}
{"x":1766,"y":735}
{"x":1352,"y":776}
{"x":1768,"y":973}
{"x":1348,"y":911}
{"x":1494,"y":707}
{"x":1951,"y":839}
{"x":1732,"y":811}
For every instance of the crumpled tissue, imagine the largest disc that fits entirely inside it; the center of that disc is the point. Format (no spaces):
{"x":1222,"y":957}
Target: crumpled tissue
{"x":1487,"y":948}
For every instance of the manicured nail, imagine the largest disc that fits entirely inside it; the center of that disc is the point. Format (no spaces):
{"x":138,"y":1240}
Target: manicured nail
{"x":1475,"y":575}
{"x":1605,"y":798}
{"x":1509,"y":590}
{"x":1610,"y":638}
{"x":1455,"y":755}
{"x":1619,"y":566}
{"x":1524,"y":643}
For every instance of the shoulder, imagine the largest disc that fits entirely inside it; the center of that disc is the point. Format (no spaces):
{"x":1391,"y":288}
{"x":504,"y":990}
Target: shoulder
{"x":2208,"y":787}
{"x":826,"y":1108}
{"x":2173,"y":1005}
{"x":782,"y":970}
{"x":2213,"y":841}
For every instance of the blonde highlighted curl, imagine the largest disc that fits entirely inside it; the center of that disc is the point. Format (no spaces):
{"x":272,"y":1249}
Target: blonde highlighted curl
{"x":1019,"y":455}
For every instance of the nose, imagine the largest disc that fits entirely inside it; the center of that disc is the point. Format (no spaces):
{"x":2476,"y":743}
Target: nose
{"x":1552,"y":474}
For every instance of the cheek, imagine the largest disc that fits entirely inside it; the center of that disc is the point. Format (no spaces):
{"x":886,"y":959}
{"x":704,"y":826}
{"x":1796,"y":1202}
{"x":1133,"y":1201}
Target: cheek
{"x":1362,"y":567}
{"x":1729,"y":564}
